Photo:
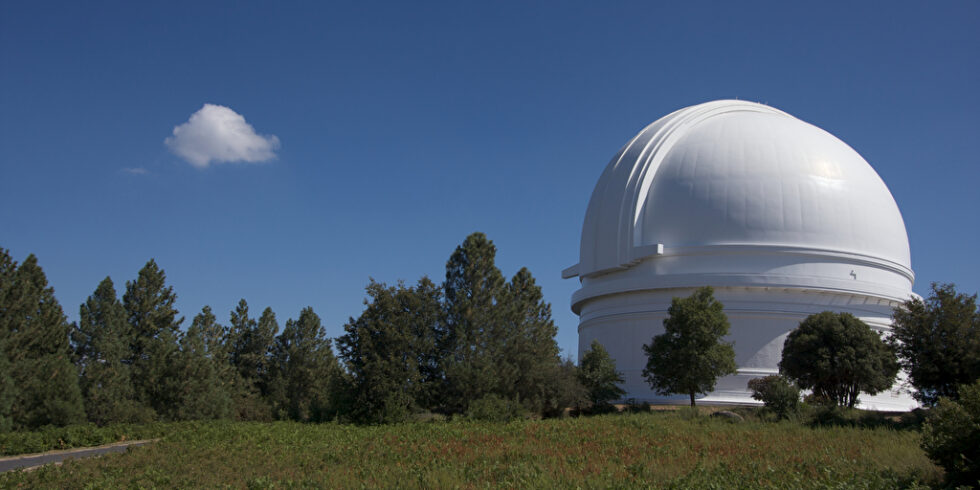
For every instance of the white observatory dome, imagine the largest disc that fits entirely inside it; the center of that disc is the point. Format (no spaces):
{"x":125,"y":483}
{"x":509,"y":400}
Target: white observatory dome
{"x":780,"y":217}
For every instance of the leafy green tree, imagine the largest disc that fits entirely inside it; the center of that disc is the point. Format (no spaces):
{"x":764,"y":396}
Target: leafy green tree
{"x":938,"y":342}
{"x":34,"y":335}
{"x":474,"y":323}
{"x":838,"y":356}
{"x":951,"y":435}
{"x":777,"y":393}
{"x":153,"y":338}
{"x":598,"y":374}
{"x":562,"y":389}
{"x":100,"y":342}
{"x":207,"y":380}
{"x":689,"y":356}
{"x":305,"y":371}
{"x":389,"y":351}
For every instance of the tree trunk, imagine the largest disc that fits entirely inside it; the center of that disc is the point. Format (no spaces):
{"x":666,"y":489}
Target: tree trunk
{"x":692,"y":398}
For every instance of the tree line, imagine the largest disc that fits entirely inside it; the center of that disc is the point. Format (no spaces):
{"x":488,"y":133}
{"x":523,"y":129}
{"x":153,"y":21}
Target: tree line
{"x":477,"y":341}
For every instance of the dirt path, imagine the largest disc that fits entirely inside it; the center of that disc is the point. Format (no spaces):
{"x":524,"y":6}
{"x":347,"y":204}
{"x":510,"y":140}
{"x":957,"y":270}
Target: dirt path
{"x":28,"y":461}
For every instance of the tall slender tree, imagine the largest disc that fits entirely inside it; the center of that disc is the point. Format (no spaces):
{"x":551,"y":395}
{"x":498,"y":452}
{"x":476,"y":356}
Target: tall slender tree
{"x":34,"y":335}
{"x":525,"y":350}
{"x":208,"y":380}
{"x":8,"y":391}
{"x":306,"y":372}
{"x":101,"y":346}
{"x":474,"y":322}
{"x":154,"y":332}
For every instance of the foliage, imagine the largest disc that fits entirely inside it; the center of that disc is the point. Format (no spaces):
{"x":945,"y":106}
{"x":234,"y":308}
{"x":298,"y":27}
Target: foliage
{"x":249,"y":344}
{"x":689,"y":356}
{"x":305,"y":372}
{"x":100,"y":345}
{"x":598,"y":374}
{"x":838,"y":356}
{"x":938,"y":342}
{"x":208,"y":380}
{"x":40,"y":376}
{"x":644,"y":450}
{"x":74,"y":436}
{"x":389,"y":351}
{"x":473,"y":323}
{"x":493,"y":408}
{"x":562,"y":389}
{"x":526,"y":354}
{"x":153,"y":335}
{"x":951,"y":435}
{"x":778,"y":394}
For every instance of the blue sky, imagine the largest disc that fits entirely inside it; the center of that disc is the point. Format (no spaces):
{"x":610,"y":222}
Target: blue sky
{"x":404,"y":126}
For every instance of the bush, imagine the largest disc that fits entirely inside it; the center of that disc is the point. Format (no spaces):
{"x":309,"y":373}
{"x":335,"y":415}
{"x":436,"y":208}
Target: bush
{"x":951,"y":435}
{"x":493,"y":408}
{"x":778,"y":394}
{"x":72,"y":436}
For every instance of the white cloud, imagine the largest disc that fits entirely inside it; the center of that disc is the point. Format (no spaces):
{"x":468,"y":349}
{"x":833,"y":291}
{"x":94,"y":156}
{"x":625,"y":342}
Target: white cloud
{"x":135,"y":170}
{"x":217,"y":133}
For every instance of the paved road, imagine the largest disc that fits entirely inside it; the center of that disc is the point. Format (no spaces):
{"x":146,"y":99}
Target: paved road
{"x":32,"y":460}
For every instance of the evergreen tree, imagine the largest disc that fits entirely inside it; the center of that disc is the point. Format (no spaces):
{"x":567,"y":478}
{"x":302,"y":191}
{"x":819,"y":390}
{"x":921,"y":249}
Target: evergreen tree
{"x":689,"y":356}
{"x":154,"y":332}
{"x":526,"y":353}
{"x":8,"y":391}
{"x":100,"y":341}
{"x":598,"y":374}
{"x":34,"y":336}
{"x":261,"y":345}
{"x":207,"y":379}
{"x":306,"y":372}
{"x":7,"y":394}
{"x":938,"y":342}
{"x":838,"y":356}
{"x":249,"y":346}
{"x":389,"y":351}
{"x":474,"y":323}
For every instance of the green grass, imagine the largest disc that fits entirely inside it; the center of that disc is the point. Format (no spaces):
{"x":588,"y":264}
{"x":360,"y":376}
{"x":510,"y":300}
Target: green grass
{"x":629,"y":450}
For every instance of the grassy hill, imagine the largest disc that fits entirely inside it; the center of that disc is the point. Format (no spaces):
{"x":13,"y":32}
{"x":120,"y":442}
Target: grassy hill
{"x":655,"y":449}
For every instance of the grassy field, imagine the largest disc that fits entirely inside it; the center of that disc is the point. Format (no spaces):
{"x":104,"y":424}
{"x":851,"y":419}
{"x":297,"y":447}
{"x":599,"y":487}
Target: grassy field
{"x":658,"y":449}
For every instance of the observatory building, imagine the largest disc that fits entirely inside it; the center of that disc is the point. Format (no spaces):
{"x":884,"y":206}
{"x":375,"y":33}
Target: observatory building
{"x":779,"y":216}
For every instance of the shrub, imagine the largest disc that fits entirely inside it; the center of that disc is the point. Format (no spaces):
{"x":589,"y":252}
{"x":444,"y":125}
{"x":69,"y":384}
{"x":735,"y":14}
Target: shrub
{"x":493,"y":408}
{"x":778,"y":394}
{"x":951,"y":435}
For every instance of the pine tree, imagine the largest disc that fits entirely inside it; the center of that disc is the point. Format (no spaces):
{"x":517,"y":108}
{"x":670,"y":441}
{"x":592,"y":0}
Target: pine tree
{"x":598,"y":374}
{"x":7,"y":394}
{"x":34,"y":336}
{"x":101,"y":347}
{"x":154,"y":332}
{"x":208,"y":380}
{"x":262,"y":343}
{"x":306,"y":372}
{"x":389,"y":351}
{"x":473,"y":289}
{"x":8,"y":391}
{"x":526,"y":352}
